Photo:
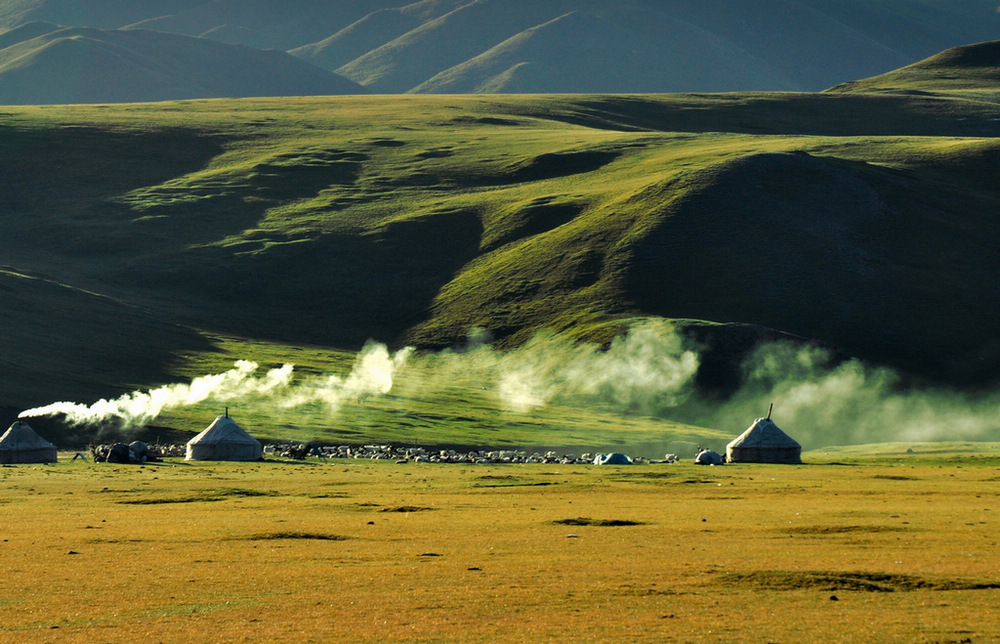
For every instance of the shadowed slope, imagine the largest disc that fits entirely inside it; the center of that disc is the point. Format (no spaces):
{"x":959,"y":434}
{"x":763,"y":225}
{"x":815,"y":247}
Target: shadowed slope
{"x":102,"y":14}
{"x":402,"y":64}
{"x":265,"y":24}
{"x":52,"y":64}
{"x":371,"y":32}
{"x":125,"y":345}
{"x":823,"y":114}
{"x":580,"y":52}
{"x":510,"y":45}
{"x":857,"y":255}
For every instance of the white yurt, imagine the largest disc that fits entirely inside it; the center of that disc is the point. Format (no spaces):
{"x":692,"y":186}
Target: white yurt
{"x":764,"y":442}
{"x":20,"y":444}
{"x":223,"y":440}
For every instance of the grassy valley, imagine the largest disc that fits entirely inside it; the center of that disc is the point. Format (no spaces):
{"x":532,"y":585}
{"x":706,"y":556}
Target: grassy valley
{"x":856,"y":221}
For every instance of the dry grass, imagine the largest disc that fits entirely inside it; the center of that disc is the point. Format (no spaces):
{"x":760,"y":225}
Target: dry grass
{"x":372,"y":551}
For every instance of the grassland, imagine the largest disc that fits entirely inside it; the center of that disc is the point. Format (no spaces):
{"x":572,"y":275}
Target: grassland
{"x":892,"y":543}
{"x":149,"y":243}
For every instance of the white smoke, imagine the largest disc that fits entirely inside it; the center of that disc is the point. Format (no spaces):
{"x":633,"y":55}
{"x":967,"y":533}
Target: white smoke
{"x":140,"y":407}
{"x":649,"y":371}
{"x":371,"y":375}
{"x":851,"y":403}
{"x":645,"y":371}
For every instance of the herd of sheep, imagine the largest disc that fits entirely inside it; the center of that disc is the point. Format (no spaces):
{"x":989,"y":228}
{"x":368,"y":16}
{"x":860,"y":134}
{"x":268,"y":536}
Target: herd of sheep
{"x":425,"y":455}
{"x":139,"y":452}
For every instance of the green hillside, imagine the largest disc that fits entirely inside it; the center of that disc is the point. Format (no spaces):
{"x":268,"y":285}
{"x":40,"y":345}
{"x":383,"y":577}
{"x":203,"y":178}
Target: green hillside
{"x":280,"y":230}
{"x":971,"y":68}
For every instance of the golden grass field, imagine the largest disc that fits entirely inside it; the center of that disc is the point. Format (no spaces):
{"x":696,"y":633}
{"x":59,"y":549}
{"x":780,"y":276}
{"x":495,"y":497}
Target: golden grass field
{"x":898,"y":546}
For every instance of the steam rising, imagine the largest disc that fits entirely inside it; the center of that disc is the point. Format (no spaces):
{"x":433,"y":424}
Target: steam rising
{"x":647,"y":371}
{"x":372,"y":375}
{"x":851,"y":403}
{"x":650,"y":371}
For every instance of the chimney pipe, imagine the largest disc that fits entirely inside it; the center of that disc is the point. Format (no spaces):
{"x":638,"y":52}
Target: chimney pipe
{"x":770,"y":407}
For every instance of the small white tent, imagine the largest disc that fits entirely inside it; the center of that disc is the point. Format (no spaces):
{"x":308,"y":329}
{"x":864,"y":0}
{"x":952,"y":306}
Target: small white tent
{"x":708,"y":457}
{"x":20,"y":444}
{"x":764,"y":442}
{"x":614,"y":458}
{"x":223,"y":440}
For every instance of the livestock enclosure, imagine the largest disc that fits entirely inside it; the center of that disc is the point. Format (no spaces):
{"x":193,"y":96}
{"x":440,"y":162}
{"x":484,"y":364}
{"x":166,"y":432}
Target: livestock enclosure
{"x":900,"y":546}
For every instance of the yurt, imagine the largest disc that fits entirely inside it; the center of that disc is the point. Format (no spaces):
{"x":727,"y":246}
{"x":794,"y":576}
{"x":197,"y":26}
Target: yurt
{"x":708,"y":457}
{"x":763,"y":442}
{"x":615,"y":458}
{"x":20,"y":444}
{"x":223,"y":440}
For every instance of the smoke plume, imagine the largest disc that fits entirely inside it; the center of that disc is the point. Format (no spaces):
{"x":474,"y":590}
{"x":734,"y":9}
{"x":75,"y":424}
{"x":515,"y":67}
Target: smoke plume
{"x":646,"y":371}
{"x":372,"y":375}
{"x":650,"y":371}
{"x":850,"y":403}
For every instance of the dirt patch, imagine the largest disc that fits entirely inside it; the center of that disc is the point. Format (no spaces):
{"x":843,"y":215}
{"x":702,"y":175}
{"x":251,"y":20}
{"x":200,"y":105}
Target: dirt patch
{"x":843,"y":581}
{"x":843,"y":529}
{"x":207,"y":496}
{"x":515,"y":483}
{"x":644,"y":475}
{"x":597,"y":522}
{"x":406,"y":508}
{"x":294,"y":535}
{"x":492,"y":480}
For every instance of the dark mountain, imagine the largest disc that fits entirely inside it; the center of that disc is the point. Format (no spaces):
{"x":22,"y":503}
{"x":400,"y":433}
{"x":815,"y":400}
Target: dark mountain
{"x":265,"y":24}
{"x":373,"y":31}
{"x":47,"y":63}
{"x":405,"y":62}
{"x":578,"y":52}
{"x":635,"y":46}
{"x":101,"y":14}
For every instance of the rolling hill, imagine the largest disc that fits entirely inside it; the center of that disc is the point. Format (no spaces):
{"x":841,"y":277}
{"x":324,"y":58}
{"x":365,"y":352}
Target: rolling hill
{"x":51,"y":64}
{"x":970,"y":68}
{"x":861,"y":221}
{"x":516,"y":46}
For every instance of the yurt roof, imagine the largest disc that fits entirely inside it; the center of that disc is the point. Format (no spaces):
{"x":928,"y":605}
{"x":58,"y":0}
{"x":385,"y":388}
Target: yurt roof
{"x":223,"y":430}
{"x":763,"y":433}
{"x":21,"y":436}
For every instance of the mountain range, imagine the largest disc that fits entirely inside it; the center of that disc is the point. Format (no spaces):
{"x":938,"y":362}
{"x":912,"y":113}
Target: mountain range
{"x":146,"y":50}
